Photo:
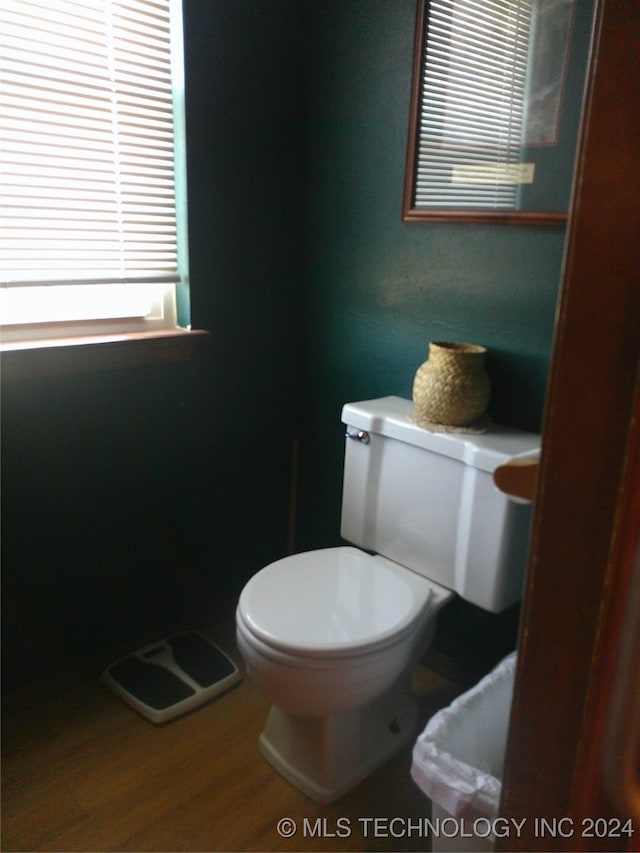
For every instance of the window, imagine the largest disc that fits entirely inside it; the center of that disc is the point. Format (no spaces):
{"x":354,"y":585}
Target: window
{"x":93,"y":182}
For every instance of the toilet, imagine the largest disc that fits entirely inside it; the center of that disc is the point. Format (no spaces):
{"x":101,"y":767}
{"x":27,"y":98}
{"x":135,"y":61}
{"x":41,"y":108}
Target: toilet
{"x":331,"y":636}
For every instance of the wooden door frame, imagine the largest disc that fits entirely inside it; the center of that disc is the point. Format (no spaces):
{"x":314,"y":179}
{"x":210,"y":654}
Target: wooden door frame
{"x":588,"y":500}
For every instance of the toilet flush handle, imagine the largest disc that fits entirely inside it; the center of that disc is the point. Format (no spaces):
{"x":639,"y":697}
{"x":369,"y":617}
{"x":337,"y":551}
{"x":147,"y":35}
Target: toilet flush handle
{"x":359,"y":435}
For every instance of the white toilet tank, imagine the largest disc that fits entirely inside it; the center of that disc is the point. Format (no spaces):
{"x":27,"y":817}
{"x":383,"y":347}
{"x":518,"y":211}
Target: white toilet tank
{"x":428,"y":501}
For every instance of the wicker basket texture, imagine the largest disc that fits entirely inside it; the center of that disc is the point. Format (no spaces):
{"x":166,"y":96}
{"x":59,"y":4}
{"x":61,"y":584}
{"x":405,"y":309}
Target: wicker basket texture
{"x":452,"y":386}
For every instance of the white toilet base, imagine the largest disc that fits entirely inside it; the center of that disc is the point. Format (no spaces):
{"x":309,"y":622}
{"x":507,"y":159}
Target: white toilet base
{"x":324,"y":757}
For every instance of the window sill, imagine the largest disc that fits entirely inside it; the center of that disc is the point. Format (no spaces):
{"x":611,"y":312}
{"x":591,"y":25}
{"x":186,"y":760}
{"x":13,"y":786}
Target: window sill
{"x":29,"y":359}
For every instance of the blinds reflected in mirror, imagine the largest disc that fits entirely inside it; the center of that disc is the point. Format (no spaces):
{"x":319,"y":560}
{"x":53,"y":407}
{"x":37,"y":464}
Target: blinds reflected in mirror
{"x":472,"y":114}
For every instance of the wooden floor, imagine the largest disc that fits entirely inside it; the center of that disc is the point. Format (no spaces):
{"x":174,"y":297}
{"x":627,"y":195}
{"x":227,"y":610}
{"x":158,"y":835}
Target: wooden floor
{"x":82,"y":771}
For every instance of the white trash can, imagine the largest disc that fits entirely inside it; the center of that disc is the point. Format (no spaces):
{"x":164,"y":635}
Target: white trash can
{"x":458,"y":761}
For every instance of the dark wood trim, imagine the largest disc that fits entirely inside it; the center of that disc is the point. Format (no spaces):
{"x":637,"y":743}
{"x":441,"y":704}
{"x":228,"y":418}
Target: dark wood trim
{"x":409,"y":213}
{"x":581,"y":529}
{"x":599,"y":770}
{"x":417,"y":215}
{"x":27,"y":360}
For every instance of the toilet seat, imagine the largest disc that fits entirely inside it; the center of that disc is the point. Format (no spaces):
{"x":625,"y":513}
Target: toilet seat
{"x":333,"y":603}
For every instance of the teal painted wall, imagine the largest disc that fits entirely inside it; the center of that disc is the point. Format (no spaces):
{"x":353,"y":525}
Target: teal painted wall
{"x":379,"y":290}
{"x":138,"y":501}
{"x":245,"y":143}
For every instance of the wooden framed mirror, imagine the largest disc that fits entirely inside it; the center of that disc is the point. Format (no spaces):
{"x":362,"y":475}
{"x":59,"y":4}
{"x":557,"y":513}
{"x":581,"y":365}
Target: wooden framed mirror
{"x":495,"y":109}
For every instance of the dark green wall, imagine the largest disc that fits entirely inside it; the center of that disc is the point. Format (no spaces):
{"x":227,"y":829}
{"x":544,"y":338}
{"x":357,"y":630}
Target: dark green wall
{"x":379,"y":290}
{"x":245,"y":132}
{"x":137,"y":501}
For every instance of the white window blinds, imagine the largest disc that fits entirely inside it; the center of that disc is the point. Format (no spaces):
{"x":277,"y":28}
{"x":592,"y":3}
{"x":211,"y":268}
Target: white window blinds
{"x":87,"y":142}
{"x":473,"y":104}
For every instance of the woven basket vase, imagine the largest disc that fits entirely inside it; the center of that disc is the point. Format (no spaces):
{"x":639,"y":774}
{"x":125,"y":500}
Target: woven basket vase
{"x":452,"y":387}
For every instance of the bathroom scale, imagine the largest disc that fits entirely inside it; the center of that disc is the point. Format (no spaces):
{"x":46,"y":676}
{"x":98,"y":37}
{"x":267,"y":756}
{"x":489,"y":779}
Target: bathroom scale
{"x":172,"y":676}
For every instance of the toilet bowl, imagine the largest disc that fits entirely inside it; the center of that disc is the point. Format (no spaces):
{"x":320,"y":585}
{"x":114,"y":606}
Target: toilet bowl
{"x":331,"y":636}
{"x":328,"y":630}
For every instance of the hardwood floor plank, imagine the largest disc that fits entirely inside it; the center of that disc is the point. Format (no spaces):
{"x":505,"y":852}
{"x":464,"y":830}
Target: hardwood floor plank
{"x":34,"y":811}
{"x":169,"y":766}
{"x":82,"y":771}
{"x":148,"y":753}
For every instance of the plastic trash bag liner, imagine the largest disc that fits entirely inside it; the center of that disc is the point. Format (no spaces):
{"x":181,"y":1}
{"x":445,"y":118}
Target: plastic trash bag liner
{"x":458,"y":758}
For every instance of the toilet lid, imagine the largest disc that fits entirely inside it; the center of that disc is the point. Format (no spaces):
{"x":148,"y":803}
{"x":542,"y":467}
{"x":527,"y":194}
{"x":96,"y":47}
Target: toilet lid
{"x":332,"y":601}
